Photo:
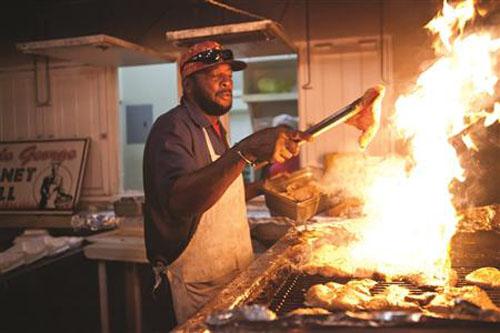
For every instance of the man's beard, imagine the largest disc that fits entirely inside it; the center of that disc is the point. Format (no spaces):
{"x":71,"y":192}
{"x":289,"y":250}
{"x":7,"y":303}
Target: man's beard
{"x":208,"y":105}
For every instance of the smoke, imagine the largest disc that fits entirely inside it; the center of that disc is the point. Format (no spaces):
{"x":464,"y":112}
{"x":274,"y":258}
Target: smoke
{"x":351,"y":174}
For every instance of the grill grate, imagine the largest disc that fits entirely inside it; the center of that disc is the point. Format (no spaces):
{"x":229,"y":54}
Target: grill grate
{"x":290,"y":294}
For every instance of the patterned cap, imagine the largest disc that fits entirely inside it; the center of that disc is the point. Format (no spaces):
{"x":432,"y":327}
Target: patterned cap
{"x":192,"y":67}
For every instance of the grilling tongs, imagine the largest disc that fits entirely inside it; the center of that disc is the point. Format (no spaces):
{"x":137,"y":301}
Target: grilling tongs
{"x":369,"y":98}
{"x":342,"y":115}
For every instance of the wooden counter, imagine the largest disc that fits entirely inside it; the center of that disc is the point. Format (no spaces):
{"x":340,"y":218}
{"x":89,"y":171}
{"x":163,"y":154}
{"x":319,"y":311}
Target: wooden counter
{"x":125,"y":244}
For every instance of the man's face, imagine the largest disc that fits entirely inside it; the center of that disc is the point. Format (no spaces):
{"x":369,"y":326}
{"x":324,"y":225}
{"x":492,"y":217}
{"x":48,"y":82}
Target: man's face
{"x":213,"y":89}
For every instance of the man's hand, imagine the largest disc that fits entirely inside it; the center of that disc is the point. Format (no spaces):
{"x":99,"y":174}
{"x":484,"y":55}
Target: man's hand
{"x":276,"y":144}
{"x":367,"y":120}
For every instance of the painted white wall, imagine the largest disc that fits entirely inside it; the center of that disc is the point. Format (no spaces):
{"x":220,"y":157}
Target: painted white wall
{"x":151,"y":84}
{"x":240,"y":124}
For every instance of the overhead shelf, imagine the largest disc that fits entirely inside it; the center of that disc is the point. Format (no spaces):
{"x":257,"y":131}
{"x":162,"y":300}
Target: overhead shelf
{"x":274,"y":97}
{"x":249,"y":39}
{"x":100,"y":50}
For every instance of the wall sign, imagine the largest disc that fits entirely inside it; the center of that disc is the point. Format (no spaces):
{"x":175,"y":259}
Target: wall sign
{"x":41,"y":177}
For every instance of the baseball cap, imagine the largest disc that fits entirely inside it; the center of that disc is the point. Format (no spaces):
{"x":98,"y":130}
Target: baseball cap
{"x":207,"y":54}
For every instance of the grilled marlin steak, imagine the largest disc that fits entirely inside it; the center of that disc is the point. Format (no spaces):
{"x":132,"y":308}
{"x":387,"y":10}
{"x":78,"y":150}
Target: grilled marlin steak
{"x":356,"y":295}
{"x":308,"y":312}
{"x":336,"y":296}
{"x":445,"y":301}
{"x":488,"y":277}
{"x":393,"y":298}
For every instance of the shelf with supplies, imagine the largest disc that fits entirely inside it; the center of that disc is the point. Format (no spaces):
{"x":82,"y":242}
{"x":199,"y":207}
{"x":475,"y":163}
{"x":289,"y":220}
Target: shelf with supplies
{"x":272,"y":97}
{"x":270,"y":89}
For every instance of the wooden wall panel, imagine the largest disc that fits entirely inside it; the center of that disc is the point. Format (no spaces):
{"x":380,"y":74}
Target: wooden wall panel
{"x":341,"y":70}
{"x":84,"y":103}
{"x":18,"y":117}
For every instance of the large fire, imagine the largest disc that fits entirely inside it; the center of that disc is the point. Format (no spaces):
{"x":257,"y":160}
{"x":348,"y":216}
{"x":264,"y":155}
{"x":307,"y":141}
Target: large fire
{"x":408,"y":203}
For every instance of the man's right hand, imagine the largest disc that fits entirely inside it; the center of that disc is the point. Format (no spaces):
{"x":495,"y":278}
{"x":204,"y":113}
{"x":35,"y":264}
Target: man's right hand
{"x":276,"y":144}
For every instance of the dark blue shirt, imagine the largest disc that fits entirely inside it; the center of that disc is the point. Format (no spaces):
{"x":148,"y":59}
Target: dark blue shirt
{"x":175,"y":146}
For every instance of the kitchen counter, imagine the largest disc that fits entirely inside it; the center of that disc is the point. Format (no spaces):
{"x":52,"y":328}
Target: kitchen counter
{"x":122,"y":244}
{"x":126,"y":243}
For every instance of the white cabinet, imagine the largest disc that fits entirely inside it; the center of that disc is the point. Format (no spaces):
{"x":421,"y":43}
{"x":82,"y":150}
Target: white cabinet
{"x":84,"y":103}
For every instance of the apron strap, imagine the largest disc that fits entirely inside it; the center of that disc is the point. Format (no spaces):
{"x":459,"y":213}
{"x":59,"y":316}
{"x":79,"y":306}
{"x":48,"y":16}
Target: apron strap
{"x":213,"y":155}
{"x":159,"y":270}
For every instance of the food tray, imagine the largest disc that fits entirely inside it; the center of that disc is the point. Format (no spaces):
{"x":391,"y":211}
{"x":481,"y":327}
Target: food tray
{"x":281,"y":205}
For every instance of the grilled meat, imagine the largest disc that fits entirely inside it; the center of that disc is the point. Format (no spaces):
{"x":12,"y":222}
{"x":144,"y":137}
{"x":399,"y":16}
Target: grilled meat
{"x":349,"y":299}
{"x":393,"y":298}
{"x":488,"y":277}
{"x":355,"y":295}
{"x":445,"y":301}
{"x":302,"y":192}
{"x":363,"y":286}
{"x":320,"y":295}
{"x":336,"y":296}
{"x":308,"y":312}
{"x":368,"y":119}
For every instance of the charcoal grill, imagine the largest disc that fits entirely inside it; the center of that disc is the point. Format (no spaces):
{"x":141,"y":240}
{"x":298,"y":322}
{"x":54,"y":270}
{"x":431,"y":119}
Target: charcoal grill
{"x":270,"y":281}
{"x":290,"y":293}
{"x":468,"y":252}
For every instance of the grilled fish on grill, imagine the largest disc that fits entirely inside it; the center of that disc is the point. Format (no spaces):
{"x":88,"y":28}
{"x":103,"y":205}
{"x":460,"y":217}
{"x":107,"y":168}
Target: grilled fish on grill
{"x":336,"y":296}
{"x":356,"y":295}
{"x":308,"y":312}
{"x":349,"y":299}
{"x":393,"y":298}
{"x":445,"y":301}
{"x":353,"y":294}
{"x":488,"y":277}
{"x":320,"y":295}
{"x":363,"y":286}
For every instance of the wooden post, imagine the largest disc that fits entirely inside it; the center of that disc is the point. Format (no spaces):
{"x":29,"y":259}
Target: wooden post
{"x":103,"y":295}
{"x":133,"y":298}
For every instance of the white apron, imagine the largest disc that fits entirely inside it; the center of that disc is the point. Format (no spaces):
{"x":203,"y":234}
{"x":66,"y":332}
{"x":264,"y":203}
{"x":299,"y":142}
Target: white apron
{"x":219,"y":249}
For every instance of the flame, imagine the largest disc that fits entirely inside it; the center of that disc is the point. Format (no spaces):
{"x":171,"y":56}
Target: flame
{"x":493,"y":117}
{"x":451,"y":20}
{"x":411,"y":218}
{"x":469,"y":143}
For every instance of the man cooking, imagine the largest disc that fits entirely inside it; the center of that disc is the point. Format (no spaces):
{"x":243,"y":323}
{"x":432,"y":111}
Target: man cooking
{"x":196,"y":228}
